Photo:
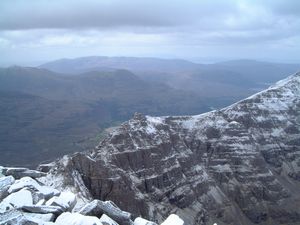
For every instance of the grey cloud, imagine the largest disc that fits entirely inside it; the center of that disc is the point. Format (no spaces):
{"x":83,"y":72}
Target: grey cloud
{"x":150,"y":16}
{"x":283,"y":7}
{"x":80,"y":14}
{"x":30,"y":14}
{"x":148,"y":27}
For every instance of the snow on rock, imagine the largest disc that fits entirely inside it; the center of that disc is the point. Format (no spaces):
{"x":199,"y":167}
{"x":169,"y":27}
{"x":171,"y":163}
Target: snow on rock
{"x":42,"y":209}
{"x":173,"y":220}
{"x":29,"y":201}
{"x":77,"y":219}
{"x":48,"y":192}
{"x":18,"y":172}
{"x":107,"y":220}
{"x":5,"y":183}
{"x":33,"y":184}
{"x":5,"y":206}
{"x":141,"y":221}
{"x":97,"y":207}
{"x":65,"y":200}
{"x":19,"y":199}
{"x":48,"y":217}
{"x":91,"y":209}
{"x":24,"y":182}
{"x":14,"y":217}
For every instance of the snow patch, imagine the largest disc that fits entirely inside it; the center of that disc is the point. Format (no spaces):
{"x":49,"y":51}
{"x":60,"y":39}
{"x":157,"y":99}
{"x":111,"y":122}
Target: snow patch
{"x":173,"y":220}
{"x":19,"y":199}
{"x":77,"y":219}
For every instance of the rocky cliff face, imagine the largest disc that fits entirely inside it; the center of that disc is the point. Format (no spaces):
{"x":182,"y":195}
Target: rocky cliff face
{"x":238,"y":165}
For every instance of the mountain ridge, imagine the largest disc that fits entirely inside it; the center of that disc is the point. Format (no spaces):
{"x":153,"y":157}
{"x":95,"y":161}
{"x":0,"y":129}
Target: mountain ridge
{"x":237,"y":165}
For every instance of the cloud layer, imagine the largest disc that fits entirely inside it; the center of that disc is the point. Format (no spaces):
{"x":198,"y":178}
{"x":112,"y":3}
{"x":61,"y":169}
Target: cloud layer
{"x":171,"y":28}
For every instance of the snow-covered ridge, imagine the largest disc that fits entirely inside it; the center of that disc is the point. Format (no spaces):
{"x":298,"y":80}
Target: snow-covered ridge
{"x":288,"y":89}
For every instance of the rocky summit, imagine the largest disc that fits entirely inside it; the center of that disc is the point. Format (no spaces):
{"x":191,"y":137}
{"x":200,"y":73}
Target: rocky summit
{"x":237,"y":165}
{"x":25,"y":200}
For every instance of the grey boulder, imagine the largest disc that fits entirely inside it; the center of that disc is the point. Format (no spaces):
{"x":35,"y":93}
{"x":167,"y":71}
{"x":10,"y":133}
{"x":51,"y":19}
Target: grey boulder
{"x":97,"y":208}
{"x":5,"y":183}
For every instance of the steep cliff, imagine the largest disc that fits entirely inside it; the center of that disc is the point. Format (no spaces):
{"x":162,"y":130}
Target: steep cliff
{"x":238,"y":165}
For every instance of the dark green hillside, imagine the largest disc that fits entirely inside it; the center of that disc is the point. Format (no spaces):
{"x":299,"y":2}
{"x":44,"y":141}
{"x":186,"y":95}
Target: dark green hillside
{"x":44,"y":115}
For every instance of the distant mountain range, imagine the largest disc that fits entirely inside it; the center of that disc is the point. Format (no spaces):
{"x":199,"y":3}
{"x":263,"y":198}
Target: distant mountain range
{"x":64,"y":106}
{"x":232,"y":78}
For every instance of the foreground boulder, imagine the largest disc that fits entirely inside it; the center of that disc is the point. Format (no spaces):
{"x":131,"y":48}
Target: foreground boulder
{"x":107,"y":220}
{"x":14,"y":217}
{"x":141,"y":221}
{"x":66,"y":201}
{"x":42,"y":209}
{"x":68,"y":218}
{"x":5,"y":183}
{"x":97,"y":208}
{"x":19,"y":199}
{"x":173,"y":220}
{"x":48,"y":217}
{"x":27,"y":201}
{"x":18,"y":173}
{"x":30,"y":183}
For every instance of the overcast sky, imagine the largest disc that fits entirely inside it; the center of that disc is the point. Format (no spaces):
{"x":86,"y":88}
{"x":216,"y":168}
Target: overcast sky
{"x":35,"y":31}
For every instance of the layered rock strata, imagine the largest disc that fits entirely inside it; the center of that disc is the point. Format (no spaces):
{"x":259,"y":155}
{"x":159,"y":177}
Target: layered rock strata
{"x":238,"y":165}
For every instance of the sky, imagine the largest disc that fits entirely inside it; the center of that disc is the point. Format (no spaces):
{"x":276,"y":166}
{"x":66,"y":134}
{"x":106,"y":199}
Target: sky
{"x":37,"y":31}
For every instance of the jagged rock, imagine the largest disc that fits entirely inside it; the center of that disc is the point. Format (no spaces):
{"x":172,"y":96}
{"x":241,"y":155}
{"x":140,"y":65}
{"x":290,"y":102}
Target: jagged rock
{"x":105,"y":220}
{"x":14,"y":217}
{"x":91,"y":209}
{"x":77,"y":219}
{"x":43,"y":209}
{"x":5,"y":183}
{"x":37,"y":197}
{"x":30,"y":183}
{"x":18,"y":173}
{"x":97,"y":208}
{"x":173,"y":220}
{"x":141,"y":221}
{"x":66,"y":200}
{"x":18,"y":199}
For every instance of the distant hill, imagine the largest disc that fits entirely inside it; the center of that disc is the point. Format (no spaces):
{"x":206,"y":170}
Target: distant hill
{"x":45,"y":114}
{"x":39,"y":129}
{"x":234,"y":79}
{"x":104,"y":63}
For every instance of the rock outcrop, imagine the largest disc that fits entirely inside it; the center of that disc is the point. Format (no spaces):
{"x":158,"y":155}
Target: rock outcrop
{"x":30,"y":202}
{"x":238,"y":165}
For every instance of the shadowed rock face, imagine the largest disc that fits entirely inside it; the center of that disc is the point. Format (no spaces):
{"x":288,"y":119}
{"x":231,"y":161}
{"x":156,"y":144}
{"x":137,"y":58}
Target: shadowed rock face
{"x":238,"y":165}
